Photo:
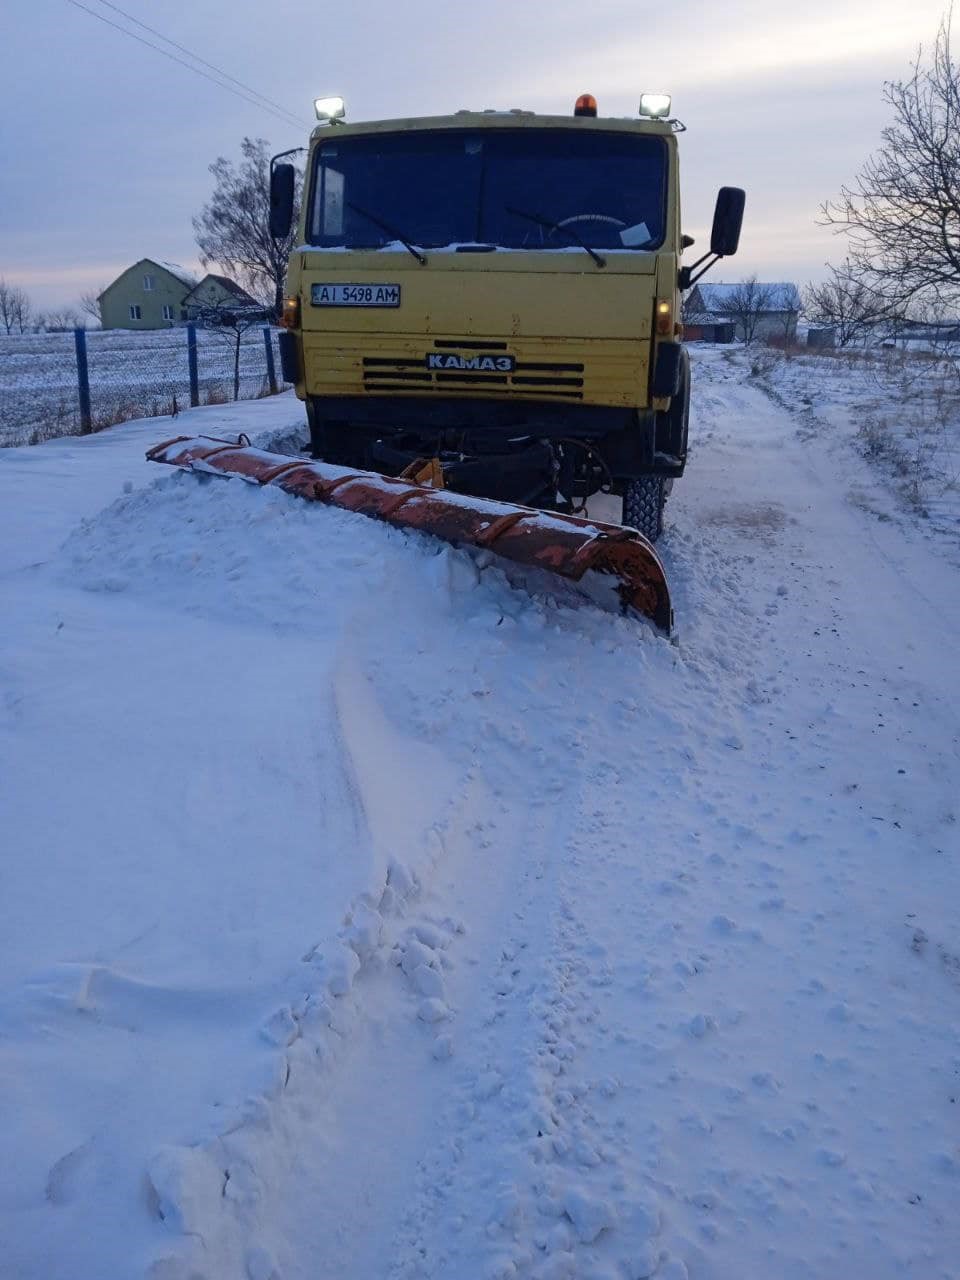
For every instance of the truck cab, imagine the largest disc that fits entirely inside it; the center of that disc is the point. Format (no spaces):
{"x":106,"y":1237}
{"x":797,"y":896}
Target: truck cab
{"x":496,"y":294}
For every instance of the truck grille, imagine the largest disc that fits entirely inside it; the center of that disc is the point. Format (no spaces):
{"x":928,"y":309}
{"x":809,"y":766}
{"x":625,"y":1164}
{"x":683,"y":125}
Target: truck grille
{"x":535,"y":378}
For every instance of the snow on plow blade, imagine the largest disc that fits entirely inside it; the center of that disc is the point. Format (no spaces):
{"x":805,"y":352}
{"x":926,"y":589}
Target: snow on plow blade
{"x":567,"y":545}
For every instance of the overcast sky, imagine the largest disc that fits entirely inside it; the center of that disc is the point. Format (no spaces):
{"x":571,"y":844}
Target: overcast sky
{"x":105,"y":143}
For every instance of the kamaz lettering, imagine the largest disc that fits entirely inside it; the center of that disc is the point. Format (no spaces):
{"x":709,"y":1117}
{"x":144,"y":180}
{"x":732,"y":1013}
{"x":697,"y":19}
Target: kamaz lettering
{"x":483,"y":364}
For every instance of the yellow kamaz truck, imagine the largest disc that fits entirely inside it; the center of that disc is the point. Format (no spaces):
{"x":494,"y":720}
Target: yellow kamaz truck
{"x":489,"y":302}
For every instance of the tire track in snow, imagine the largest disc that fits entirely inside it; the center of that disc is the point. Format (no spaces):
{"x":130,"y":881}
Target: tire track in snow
{"x":531,"y":1180}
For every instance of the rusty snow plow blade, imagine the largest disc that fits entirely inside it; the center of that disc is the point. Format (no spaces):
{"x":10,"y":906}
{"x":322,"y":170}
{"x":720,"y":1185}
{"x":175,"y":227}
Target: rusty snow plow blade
{"x":567,"y":545}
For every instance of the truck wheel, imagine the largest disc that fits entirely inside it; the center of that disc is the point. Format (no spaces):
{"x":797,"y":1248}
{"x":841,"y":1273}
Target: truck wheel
{"x":315,"y":444}
{"x":643,"y":501}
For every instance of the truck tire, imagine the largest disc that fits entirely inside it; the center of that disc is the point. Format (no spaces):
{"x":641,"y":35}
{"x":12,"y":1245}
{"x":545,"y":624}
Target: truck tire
{"x":643,"y":502}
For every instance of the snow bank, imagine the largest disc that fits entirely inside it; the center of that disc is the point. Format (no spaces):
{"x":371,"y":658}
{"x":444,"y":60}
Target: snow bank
{"x":210,"y":814}
{"x":369,"y":916}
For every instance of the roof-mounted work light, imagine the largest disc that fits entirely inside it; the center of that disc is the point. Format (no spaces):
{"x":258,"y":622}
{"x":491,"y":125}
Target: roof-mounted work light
{"x":655,"y":106}
{"x":329,"y":108}
{"x":586,"y":105}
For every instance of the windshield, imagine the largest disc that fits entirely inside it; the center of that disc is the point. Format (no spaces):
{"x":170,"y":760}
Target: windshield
{"x":515,"y":189}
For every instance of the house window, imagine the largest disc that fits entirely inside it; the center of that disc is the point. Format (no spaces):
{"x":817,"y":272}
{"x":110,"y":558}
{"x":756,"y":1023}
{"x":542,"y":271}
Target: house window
{"x":149,"y":284}
{"x":183,"y":313}
{"x":167,"y":311}
{"x":134,"y":311}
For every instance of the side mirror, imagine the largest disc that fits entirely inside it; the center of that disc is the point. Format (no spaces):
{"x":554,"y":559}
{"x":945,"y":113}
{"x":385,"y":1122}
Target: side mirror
{"x":727,"y":221}
{"x":282,"y":184}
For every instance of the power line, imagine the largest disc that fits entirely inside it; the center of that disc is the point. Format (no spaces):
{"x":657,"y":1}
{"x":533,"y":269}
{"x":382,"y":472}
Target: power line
{"x":196,"y":58}
{"x":282,"y":113}
{"x":244,"y":94}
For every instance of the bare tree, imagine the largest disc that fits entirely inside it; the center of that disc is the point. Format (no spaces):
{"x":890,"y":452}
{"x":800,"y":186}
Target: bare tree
{"x":233,"y":230}
{"x":60,"y":321}
{"x":787,"y":302}
{"x":6,"y":305}
{"x":231,"y":322}
{"x":14,"y":307}
{"x":746,"y":304}
{"x":90,"y":303}
{"x":902,"y":212}
{"x":848,"y":304}
{"x":22,"y":310}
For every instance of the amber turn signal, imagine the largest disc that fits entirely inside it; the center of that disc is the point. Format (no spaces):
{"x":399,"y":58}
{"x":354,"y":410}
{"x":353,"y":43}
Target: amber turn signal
{"x":290,"y":315}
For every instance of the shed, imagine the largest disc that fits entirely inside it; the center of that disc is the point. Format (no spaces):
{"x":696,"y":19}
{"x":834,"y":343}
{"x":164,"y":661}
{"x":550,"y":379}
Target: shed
{"x":823,"y":337}
{"x":216,"y":293}
{"x":702,"y":327}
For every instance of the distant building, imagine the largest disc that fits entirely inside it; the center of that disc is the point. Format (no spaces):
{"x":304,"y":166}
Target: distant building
{"x":700,"y":327}
{"x":822,"y":336}
{"x":148,"y":295}
{"x":217,"y":293}
{"x":159,"y":295}
{"x":920,"y":335}
{"x":777,"y":315}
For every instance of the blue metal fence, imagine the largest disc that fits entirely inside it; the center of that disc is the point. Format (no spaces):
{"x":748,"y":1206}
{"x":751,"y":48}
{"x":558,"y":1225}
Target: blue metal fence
{"x":76,"y":382}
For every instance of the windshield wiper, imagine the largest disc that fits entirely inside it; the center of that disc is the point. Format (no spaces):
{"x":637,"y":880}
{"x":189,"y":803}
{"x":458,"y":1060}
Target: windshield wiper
{"x":541,"y":221}
{"x":391,"y":231}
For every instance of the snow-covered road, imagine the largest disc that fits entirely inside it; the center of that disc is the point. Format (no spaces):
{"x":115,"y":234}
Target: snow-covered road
{"x":363,"y":915}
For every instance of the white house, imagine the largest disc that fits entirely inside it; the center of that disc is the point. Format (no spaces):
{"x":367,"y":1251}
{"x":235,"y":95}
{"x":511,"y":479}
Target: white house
{"x":776,"y":306}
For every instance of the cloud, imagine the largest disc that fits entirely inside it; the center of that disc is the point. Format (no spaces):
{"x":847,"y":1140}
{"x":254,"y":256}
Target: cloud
{"x":107,"y":163}
{"x":701,"y":46}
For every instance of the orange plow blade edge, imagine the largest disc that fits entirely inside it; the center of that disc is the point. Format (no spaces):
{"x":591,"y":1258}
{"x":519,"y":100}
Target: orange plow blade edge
{"x":563,"y":544}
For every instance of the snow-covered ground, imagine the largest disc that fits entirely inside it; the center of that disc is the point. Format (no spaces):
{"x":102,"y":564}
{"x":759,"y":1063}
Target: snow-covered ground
{"x":364,"y":914}
{"x":901,"y":409}
{"x":131,"y":374}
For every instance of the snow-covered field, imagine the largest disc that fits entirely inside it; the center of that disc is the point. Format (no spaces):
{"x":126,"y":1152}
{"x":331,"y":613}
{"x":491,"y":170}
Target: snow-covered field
{"x":902,"y":410}
{"x":365,"y":915}
{"x":132,"y":374}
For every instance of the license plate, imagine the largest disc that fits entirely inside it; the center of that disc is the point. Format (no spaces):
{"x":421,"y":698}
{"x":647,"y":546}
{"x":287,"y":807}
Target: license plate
{"x":355,"y":295}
